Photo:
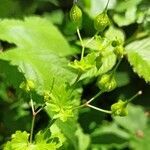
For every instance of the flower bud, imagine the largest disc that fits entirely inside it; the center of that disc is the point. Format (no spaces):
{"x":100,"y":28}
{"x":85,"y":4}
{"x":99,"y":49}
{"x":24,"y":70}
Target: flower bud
{"x":76,"y":15}
{"x":107,"y":83}
{"x":119,"y":108}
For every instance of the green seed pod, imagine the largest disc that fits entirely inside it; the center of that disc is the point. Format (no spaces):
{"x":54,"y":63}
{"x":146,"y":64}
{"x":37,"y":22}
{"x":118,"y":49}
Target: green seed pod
{"x":119,"y":108}
{"x":101,"y":21}
{"x":119,"y":51}
{"x":107,"y":83}
{"x":76,"y":15}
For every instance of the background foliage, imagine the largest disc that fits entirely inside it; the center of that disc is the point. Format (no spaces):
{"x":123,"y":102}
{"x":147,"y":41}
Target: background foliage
{"x":38,"y":41}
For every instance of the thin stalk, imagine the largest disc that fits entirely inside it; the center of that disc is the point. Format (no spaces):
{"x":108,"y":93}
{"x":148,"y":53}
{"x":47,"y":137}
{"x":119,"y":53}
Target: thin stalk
{"x":32,"y":105}
{"x":82,"y":53}
{"x":81,"y":106}
{"x":91,"y":39}
{"x":94,"y":97}
{"x":32,"y":128}
{"x":33,"y":117}
{"x":133,"y":97}
{"x":82,"y":44}
{"x":89,"y":101}
{"x":99,"y":109}
{"x":77,"y":78}
{"x":116,"y":67}
{"x":40,"y":109}
{"x":105,"y":9}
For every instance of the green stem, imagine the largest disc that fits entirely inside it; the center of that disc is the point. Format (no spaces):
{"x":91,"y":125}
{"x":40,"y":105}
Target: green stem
{"x":91,"y":39}
{"x":82,"y":44}
{"x":32,"y":128}
{"x":77,"y":78}
{"x":89,"y":101}
{"x":40,"y":109}
{"x":133,"y":97}
{"x":33,"y":117}
{"x":99,"y":109}
{"x":116,"y":67}
{"x":94,"y":97}
{"x":105,"y":9}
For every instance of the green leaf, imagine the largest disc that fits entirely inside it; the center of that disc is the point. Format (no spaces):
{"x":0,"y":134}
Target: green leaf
{"x":36,"y":51}
{"x":108,"y":135}
{"x":69,"y":129}
{"x":19,"y":141}
{"x":84,"y":64}
{"x":138,"y":53}
{"x":104,"y":49}
{"x":127,"y":18}
{"x":55,"y":139}
{"x":82,"y":137}
{"x":114,"y":33}
{"x":141,"y":140}
{"x":124,"y":5}
{"x":62,"y":102}
{"x":34,"y":33}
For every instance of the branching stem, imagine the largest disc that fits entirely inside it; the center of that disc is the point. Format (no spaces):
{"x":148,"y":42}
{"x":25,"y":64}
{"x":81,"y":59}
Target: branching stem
{"x":94,"y":97}
{"x":34,"y":113}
